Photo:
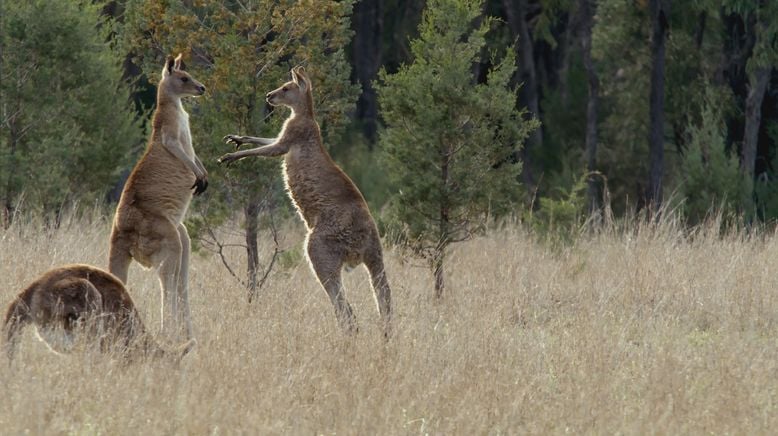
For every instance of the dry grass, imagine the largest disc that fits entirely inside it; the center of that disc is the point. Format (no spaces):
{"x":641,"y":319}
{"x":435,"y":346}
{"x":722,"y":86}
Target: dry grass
{"x":649,"y":331}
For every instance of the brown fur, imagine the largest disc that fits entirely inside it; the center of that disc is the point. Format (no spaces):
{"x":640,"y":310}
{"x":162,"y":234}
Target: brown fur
{"x":148,"y":225}
{"x":341,"y":230}
{"x":77,"y":299}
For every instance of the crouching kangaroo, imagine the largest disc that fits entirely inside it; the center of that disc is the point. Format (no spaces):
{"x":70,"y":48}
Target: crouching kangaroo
{"x":341,"y":230}
{"x":75,"y":299}
{"x":148,"y":225}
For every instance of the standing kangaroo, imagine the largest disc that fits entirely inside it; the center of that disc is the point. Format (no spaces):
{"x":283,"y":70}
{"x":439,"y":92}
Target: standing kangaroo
{"x":82,"y":299}
{"x":341,"y":230}
{"x":148,"y":225}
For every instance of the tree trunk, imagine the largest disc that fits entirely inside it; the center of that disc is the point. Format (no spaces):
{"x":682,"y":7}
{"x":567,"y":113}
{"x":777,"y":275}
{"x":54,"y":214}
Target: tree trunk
{"x":758,"y":82}
{"x":437,"y":269}
{"x":516,"y":13}
{"x":658,"y":9}
{"x":443,"y":233}
{"x":368,"y":27}
{"x":14,"y":136}
{"x":251,"y":212}
{"x":566,"y":43}
{"x":586,"y":14}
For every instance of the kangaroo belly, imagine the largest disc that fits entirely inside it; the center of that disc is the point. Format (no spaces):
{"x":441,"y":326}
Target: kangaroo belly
{"x":160,"y":184}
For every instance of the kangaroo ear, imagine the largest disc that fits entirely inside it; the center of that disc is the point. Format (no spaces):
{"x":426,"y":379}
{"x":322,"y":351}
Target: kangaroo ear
{"x":179,"y":62}
{"x":168,"y":68}
{"x":298,"y":75}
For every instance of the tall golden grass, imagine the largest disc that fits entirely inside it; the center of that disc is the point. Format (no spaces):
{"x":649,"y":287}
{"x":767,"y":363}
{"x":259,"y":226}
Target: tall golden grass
{"x":648,"y":329}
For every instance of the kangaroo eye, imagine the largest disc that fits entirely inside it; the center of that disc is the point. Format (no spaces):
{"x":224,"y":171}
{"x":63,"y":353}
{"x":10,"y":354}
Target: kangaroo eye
{"x":184,"y":79}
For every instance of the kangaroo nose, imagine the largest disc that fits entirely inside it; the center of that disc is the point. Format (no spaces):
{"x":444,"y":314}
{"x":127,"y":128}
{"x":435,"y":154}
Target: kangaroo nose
{"x":269,"y":94}
{"x":202,"y":89}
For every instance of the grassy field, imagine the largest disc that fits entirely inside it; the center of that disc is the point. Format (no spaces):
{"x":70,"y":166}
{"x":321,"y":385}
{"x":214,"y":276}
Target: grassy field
{"x":641,"y":331}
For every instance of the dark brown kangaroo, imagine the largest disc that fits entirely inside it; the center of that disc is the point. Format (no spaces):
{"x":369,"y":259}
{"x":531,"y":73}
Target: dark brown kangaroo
{"x":76,"y":299}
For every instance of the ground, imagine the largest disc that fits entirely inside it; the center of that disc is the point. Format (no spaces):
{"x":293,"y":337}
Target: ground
{"x":630,"y":331}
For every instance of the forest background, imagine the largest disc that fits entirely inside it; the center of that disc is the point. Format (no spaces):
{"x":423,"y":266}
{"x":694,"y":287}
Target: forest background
{"x":449,"y":115}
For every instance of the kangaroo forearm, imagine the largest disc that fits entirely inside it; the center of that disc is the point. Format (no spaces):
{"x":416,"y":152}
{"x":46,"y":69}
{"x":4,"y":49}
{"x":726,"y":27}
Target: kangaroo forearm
{"x":276,"y":149}
{"x":200,"y":165}
{"x":188,"y":161}
{"x":258,"y":140}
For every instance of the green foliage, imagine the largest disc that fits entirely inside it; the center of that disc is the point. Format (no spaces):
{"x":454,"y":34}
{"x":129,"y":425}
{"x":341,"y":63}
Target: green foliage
{"x":714,"y":181}
{"x":564,"y":121}
{"x":450,"y":144}
{"x":765,"y":52}
{"x":67,"y":127}
{"x":561,"y":215}
{"x":620,"y":45}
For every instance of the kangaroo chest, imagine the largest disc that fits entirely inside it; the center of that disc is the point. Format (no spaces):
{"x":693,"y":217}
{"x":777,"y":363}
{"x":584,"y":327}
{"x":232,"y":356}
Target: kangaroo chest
{"x":184,"y":134}
{"x":300,"y":179}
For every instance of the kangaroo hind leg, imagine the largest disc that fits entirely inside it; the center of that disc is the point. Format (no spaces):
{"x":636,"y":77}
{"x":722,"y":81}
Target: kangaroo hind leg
{"x":65,"y":307}
{"x":17,"y":316}
{"x":164,"y":248}
{"x":184,"y":315}
{"x":381,"y":290}
{"x":119,"y":257}
{"x":327,"y":266}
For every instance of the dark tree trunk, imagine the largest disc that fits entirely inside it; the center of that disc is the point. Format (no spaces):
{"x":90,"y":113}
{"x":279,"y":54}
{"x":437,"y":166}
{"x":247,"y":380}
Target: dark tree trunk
{"x":758,"y":82}
{"x":658,"y":9}
{"x":699,"y":31}
{"x":739,"y":39}
{"x":368,"y":26}
{"x":566,"y":42}
{"x":516,"y":13}
{"x":251,"y":212}
{"x":586,"y":13}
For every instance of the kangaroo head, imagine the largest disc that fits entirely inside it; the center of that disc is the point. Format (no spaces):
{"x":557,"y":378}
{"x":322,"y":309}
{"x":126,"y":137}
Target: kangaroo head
{"x":177,"y":82}
{"x":295,"y":94}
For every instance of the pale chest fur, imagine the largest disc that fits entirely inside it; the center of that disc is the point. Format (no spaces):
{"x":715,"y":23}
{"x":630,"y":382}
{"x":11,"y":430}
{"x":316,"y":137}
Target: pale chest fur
{"x":182,"y":131}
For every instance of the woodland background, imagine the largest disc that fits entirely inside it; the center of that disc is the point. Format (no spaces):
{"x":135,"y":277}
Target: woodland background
{"x":607,"y":109}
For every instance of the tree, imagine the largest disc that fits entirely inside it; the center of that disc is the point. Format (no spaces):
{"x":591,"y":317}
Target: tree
{"x":449,"y":142}
{"x":241,"y":51}
{"x":714,"y":182}
{"x":67,"y":126}
{"x":517,"y":13}
{"x":658,"y":10}
{"x":586,"y":11}
{"x":367,"y":60}
{"x":759,"y":68}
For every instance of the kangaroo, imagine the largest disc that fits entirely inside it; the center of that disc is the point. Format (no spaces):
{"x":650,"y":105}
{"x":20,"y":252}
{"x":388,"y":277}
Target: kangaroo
{"x":76,"y":299}
{"x":341,"y":230}
{"x":148,"y":225}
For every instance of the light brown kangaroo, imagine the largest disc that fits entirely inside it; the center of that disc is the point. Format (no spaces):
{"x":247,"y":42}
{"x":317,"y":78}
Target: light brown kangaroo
{"x":76,"y":299}
{"x":148,"y":225}
{"x":341,"y":230}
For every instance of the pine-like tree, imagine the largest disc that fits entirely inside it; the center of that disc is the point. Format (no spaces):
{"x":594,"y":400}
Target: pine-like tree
{"x":66,"y":125}
{"x":451,"y":144}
